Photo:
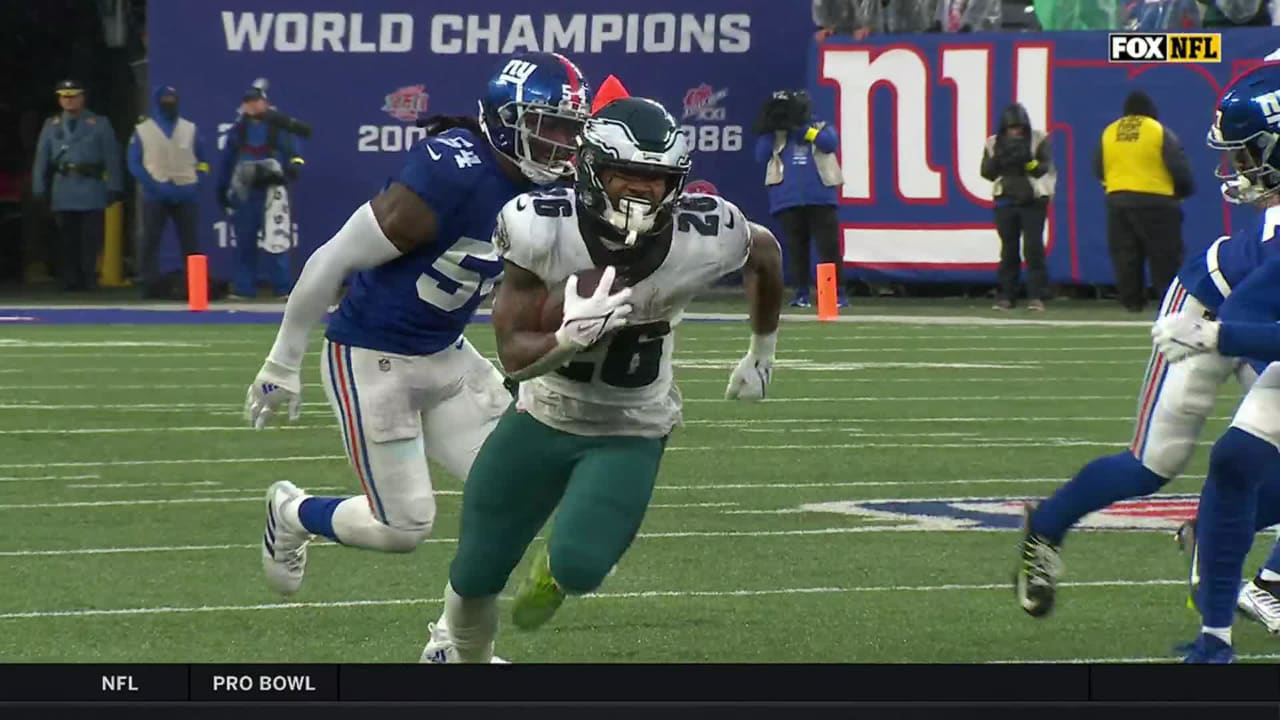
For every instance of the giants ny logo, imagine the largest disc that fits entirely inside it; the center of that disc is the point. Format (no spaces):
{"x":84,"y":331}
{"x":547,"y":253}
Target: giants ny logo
{"x":921,"y":139}
{"x":517,"y":72}
{"x":1164,"y":47}
{"x":1270,"y":104}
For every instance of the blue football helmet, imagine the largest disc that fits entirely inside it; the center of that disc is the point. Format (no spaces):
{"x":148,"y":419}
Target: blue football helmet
{"x":532,"y":112}
{"x":1246,"y":130}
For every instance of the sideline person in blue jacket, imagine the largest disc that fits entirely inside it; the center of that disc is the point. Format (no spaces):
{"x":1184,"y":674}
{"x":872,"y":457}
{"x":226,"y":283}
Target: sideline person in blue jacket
{"x":167,"y":157}
{"x":803,"y":177}
{"x":259,"y":158}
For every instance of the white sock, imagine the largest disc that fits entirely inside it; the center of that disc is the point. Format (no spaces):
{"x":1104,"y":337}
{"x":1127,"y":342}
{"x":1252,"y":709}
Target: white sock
{"x":473,"y":625}
{"x":1223,"y":634}
{"x":1269,"y":576}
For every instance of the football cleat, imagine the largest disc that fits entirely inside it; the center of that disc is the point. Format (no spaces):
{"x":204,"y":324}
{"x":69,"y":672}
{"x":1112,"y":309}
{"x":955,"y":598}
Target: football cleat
{"x":1259,"y":600}
{"x":440,"y":649}
{"x":538,"y":596}
{"x":284,"y":553}
{"x":1039,"y":566}
{"x":1186,"y":538}
{"x":1207,"y":650}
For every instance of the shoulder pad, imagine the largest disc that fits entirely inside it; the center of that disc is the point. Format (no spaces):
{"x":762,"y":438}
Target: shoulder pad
{"x":524,"y":235}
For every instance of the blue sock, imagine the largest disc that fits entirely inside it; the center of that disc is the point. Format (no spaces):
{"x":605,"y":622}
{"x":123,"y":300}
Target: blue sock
{"x":1238,"y":467}
{"x":1099,"y":484}
{"x":316,"y":515}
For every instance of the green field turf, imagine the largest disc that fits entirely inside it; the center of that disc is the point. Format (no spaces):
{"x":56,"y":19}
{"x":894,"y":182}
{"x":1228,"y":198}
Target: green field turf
{"x":131,"y":507}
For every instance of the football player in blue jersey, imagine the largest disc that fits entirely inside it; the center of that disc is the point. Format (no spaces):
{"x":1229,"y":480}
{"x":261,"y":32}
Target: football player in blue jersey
{"x":402,"y":380}
{"x":1173,"y":405}
{"x":1242,"y":492}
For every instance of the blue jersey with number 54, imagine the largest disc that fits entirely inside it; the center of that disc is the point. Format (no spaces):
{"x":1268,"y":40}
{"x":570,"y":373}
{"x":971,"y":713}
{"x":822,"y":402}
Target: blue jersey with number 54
{"x":420,"y":303}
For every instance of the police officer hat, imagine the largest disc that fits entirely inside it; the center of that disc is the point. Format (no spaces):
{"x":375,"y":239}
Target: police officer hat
{"x":69,"y":88}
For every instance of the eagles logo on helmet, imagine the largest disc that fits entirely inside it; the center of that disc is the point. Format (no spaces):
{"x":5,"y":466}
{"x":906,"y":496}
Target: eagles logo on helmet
{"x":634,"y":136}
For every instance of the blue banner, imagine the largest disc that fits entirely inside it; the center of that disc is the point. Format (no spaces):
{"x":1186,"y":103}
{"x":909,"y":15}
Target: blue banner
{"x":359,"y":71}
{"x":913,"y":117}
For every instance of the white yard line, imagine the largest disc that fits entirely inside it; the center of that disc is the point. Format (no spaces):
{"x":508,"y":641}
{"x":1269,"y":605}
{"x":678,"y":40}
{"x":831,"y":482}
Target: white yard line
{"x":1035,"y":442}
{"x":727,"y":357}
{"x":237,"y":387}
{"x":257,"y":497}
{"x":788,"y":350}
{"x":172,"y":610}
{"x":31,"y":478}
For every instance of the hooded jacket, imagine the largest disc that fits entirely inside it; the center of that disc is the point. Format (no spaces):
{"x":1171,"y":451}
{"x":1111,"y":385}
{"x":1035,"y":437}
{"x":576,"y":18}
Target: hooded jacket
{"x":1021,"y":169}
{"x":166,"y":190}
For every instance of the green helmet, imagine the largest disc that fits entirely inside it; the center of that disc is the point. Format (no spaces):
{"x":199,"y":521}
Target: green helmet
{"x":637,"y":135}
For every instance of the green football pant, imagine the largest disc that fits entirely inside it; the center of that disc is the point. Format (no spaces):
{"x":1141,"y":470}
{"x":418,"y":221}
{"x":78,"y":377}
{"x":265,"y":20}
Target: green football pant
{"x":523,"y":473}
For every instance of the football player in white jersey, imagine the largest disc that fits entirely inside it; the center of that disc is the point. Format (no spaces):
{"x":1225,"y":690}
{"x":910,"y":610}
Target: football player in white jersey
{"x":597,"y":400}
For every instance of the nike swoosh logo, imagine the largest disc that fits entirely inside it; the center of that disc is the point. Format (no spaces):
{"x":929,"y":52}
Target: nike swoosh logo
{"x":521,"y":204}
{"x":434,"y":155}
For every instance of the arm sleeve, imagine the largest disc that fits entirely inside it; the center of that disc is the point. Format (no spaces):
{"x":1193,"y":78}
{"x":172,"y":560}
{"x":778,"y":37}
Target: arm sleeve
{"x":40,"y":168}
{"x":735,"y":236}
{"x":1044,"y":159}
{"x":202,"y":153}
{"x":1097,"y":163}
{"x":359,"y":245}
{"x":1250,"y":316}
{"x":135,"y":165}
{"x":1175,"y":158}
{"x":517,"y":237}
{"x":764,"y":147}
{"x":227,"y":164}
{"x":111,"y":153}
{"x":990,"y":170}
{"x":828,"y":139}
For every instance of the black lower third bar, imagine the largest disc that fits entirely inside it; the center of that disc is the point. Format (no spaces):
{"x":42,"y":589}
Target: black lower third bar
{"x":93,"y":683}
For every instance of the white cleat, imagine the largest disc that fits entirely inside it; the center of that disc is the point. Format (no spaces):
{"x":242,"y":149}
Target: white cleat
{"x":284,"y":553}
{"x":1259,"y":601}
{"x":441,"y":651}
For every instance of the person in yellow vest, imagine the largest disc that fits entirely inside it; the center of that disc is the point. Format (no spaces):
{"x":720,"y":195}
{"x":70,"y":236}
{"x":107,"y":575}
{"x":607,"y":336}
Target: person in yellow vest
{"x":1146,"y":174}
{"x":167,"y":157}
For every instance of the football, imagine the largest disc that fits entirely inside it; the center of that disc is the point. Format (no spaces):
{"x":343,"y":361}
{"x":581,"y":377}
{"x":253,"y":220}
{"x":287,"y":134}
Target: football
{"x":553,"y":307}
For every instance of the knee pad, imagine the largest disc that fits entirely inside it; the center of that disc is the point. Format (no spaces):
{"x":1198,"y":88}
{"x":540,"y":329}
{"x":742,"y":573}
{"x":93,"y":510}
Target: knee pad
{"x":399,"y":540}
{"x":1240,"y":457}
{"x":577,"y":570}
{"x":409,"y":523}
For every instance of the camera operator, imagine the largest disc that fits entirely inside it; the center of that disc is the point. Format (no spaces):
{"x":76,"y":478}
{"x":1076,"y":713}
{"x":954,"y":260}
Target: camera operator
{"x":1017,"y":159}
{"x":802,"y":177}
{"x":261,"y":157}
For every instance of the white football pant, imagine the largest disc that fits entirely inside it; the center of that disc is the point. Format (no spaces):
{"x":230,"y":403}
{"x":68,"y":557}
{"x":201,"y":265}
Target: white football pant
{"x":395,"y":412}
{"x":1176,"y":399}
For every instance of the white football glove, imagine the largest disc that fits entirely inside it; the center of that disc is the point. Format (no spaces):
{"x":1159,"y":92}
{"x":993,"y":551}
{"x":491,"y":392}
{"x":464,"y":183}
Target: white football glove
{"x":276,"y":386}
{"x":587,"y":319}
{"x":750,"y":380}
{"x":1182,"y":335}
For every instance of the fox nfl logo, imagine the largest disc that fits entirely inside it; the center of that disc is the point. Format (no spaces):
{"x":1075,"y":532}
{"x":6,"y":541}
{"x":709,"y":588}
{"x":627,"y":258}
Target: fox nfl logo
{"x":1165,"y":47}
